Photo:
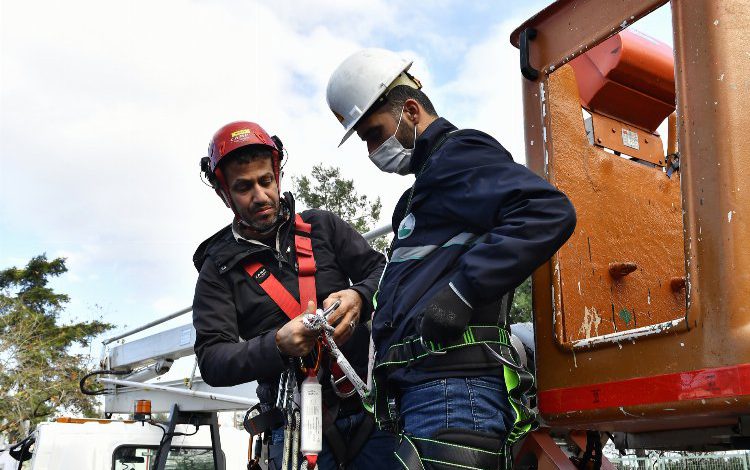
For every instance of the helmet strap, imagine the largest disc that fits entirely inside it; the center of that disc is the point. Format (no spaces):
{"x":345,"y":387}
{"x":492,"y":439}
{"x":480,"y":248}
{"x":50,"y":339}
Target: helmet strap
{"x":223,"y":191}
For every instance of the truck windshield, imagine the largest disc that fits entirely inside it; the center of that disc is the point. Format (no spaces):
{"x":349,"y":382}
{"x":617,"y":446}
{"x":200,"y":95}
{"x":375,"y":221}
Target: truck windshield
{"x":180,"y":458}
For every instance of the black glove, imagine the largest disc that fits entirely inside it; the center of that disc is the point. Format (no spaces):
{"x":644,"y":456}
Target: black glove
{"x":445,"y":318}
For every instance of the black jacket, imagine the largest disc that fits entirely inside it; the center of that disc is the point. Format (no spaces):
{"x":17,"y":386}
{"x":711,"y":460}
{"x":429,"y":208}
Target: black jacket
{"x":229,"y":306}
{"x":475,"y":219}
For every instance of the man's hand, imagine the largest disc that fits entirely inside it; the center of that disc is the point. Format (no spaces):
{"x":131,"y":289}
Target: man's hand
{"x":294,"y":338}
{"x":346,"y":316}
{"x":445,"y":318}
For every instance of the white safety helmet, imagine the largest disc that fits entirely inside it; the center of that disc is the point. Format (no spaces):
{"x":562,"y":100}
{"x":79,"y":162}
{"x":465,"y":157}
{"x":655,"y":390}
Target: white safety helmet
{"x":361,"y":80}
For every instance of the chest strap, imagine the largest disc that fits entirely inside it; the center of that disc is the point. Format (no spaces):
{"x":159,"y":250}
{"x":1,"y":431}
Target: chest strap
{"x":305,"y":262}
{"x":306,"y":269}
{"x":306,"y":277}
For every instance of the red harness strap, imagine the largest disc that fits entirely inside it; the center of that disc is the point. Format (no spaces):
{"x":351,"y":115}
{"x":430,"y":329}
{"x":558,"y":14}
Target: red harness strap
{"x":306,"y":278}
{"x":306,"y":266}
{"x":305,"y":262}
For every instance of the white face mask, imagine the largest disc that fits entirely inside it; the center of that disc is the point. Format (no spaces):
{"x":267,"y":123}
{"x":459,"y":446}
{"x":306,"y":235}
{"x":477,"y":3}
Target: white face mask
{"x":391,"y":156}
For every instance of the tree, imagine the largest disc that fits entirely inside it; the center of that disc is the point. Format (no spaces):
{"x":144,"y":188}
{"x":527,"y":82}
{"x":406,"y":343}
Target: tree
{"x":328,"y":190}
{"x":38,"y":373}
{"x":520,"y":311}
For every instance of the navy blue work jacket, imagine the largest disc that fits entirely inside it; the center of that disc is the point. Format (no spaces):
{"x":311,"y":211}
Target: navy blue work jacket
{"x":476,"y":219}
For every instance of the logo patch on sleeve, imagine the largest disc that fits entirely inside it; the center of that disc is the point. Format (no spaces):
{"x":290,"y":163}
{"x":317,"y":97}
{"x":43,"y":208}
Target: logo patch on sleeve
{"x":406,"y":227}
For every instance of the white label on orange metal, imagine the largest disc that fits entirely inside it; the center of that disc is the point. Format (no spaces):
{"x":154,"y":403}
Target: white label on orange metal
{"x":630,"y":139}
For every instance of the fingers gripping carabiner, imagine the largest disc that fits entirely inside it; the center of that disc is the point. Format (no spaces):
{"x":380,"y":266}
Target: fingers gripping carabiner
{"x":319,"y":321}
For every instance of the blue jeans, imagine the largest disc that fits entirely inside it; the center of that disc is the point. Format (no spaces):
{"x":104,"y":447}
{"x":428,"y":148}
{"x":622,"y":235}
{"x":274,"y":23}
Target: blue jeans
{"x":376,"y":454}
{"x":474,"y":403}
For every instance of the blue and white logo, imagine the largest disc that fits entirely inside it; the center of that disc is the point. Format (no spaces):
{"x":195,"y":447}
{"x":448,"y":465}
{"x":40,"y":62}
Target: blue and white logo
{"x":406,"y":227}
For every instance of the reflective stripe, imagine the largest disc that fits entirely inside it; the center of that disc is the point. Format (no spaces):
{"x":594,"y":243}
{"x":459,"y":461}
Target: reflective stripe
{"x":420,"y":252}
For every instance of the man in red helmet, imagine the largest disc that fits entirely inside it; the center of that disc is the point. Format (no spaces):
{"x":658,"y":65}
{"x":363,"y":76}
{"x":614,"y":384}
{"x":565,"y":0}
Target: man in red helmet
{"x":259,"y":273}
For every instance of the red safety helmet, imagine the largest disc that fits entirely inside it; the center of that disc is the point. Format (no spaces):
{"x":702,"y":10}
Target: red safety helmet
{"x":229,"y":138}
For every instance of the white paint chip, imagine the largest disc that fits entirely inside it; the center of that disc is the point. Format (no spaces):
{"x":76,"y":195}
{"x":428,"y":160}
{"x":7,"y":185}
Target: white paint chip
{"x":716,"y":22}
{"x":591,"y":320}
{"x":729,"y":216}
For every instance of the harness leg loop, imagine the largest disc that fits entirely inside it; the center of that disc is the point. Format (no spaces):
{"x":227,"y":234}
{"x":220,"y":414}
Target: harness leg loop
{"x":452,"y":449}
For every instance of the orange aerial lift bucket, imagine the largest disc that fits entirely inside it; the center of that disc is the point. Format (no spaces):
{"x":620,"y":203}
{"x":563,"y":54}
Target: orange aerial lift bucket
{"x":642,"y":320}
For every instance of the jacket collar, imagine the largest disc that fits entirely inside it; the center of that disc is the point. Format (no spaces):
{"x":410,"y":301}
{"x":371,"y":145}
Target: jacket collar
{"x":226,"y":251}
{"x":426,"y":142}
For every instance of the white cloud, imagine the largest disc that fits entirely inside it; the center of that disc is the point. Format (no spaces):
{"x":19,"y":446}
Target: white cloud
{"x":486,"y":93}
{"x":107,"y":108}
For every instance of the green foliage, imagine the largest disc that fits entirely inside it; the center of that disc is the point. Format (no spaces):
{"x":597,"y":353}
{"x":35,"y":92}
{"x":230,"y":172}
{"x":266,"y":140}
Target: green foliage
{"x":520,"y":311}
{"x":327,"y":189}
{"x":38,"y":372}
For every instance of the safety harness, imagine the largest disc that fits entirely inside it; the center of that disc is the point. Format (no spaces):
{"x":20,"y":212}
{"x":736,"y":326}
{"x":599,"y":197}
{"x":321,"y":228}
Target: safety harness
{"x":477,"y":341}
{"x":306,"y":274}
{"x":477,"y":344}
{"x":260,"y":422}
{"x":306,"y":278}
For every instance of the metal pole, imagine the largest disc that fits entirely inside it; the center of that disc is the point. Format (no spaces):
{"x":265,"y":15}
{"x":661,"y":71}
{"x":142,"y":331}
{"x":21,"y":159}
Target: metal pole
{"x":192,"y":374}
{"x":148,"y":325}
{"x":179,"y":391}
{"x":219,"y":463}
{"x":371,"y":235}
{"x":166,"y":444}
{"x":377,"y":232}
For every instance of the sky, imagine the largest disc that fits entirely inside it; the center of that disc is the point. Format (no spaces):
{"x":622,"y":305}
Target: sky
{"x":107,"y":107}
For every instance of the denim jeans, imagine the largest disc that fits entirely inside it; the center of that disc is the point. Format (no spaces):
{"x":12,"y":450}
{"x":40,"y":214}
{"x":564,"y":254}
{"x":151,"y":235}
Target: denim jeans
{"x":474,"y":403}
{"x":376,"y":454}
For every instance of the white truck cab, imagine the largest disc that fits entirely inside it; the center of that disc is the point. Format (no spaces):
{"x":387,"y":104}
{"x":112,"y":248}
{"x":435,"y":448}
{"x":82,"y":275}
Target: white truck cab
{"x":88,"y":444}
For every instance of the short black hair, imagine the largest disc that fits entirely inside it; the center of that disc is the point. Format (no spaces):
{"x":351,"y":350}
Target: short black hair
{"x":400,"y":93}
{"x":246,"y":154}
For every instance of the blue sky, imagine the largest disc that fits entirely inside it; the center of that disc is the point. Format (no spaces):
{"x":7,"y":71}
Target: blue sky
{"x":106,"y":109}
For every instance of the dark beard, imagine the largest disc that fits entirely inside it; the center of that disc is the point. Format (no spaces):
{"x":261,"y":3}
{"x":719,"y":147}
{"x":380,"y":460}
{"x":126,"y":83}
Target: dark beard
{"x":264,"y":229}
{"x":261,"y":228}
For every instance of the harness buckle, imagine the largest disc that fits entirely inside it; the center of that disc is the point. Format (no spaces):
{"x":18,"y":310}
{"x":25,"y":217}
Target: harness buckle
{"x":429,"y":350}
{"x":500,"y":358}
{"x":347,"y":389}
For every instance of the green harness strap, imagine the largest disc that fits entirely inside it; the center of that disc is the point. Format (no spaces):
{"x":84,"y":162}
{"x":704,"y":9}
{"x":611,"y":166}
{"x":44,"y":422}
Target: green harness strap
{"x":518,"y":381}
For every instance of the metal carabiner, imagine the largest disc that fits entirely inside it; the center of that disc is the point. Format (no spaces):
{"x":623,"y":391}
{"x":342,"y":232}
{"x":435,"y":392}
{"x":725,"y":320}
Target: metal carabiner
{"x":319,"y":320}
{"x":330,"y":309}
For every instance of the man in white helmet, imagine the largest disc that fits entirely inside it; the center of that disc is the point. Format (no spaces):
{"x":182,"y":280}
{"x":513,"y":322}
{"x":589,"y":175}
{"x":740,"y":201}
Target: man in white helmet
{"x":473,"y":226}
